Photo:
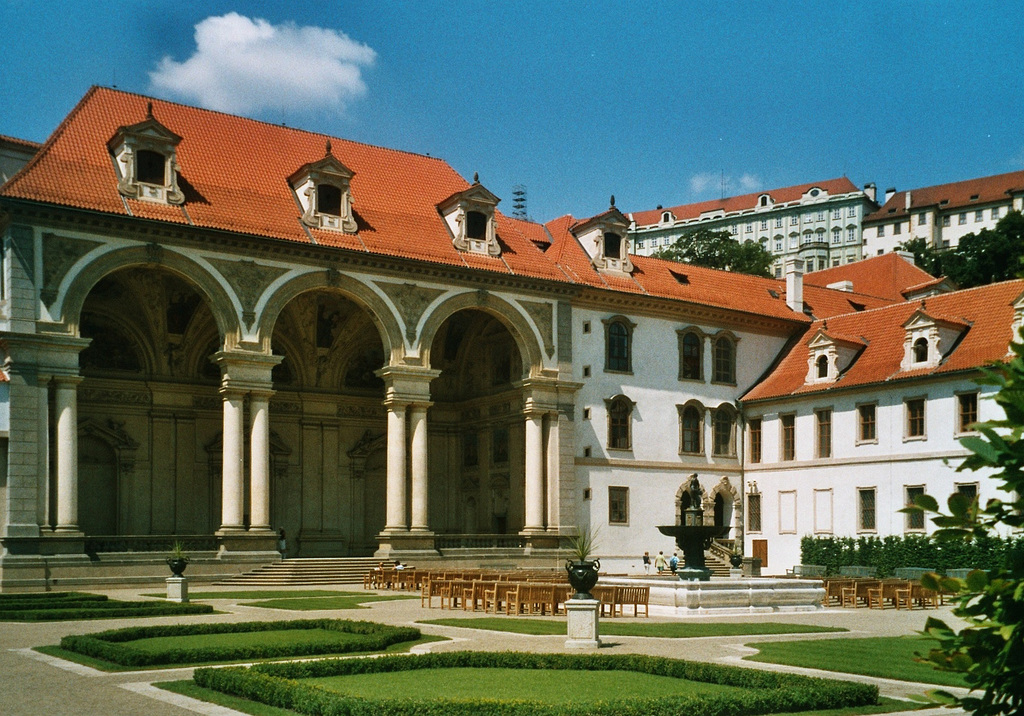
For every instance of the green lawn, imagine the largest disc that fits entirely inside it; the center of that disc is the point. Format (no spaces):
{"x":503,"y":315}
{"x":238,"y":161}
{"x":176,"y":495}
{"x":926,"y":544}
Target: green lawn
{"x":283,"y":637}
{"x":346,"y":600}
{"x":669,"y":630}
{"x":552,"y":686}
{"x":260,"y":594}
{"x":189,"y":688}
{"x":887,"y":657}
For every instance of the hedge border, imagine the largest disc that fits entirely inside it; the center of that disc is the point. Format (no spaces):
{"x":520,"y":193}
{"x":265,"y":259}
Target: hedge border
{"x":278,"y":685}
{"x":116,"y":610}
{"x":888,"y":553}
{"x":112,"y":645}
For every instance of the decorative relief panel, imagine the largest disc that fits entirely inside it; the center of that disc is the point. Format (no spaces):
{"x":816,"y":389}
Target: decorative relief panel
{"x":101,"y":395}
{"x":411,"y":301}
{"x":542,"y":316}
{"x":361,"y":411}
{"x":59,"y":254}
{"x":249,"y":280}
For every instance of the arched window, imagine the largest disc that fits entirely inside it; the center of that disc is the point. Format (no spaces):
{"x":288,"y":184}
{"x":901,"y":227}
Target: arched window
{"x":822,"y":364}
{"x":692,"y":429}
{"x":612,"y":245}
{"x":476,"y":225}
{"x":619,"y":412}
{"x":725,"y":361}
{"x":149,"y":167}
{"x":921,"y":350}
{"x":666,"y":217}
{"x":618,"y":356}
{"x":328,"y":199}
{"x":722,"y":432}
{"x":692,"y":358}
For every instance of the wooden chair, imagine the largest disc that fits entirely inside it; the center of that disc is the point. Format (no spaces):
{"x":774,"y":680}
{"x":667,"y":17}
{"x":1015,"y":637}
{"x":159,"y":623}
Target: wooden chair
{"x":473,"y":595}
{"x":499,"y":596}
{"x":633,"y":596}
{"x":431,"y":588}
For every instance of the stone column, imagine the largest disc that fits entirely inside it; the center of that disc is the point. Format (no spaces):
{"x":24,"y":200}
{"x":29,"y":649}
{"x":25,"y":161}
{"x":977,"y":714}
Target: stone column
{"x":232,"y":487}
{"x":259,"y":460}
{"x":66,"y":406}
{"x":396,"y":510}
{"x":553,"y":447}
{"x":418,"y":464}
{"x":535,"y":460}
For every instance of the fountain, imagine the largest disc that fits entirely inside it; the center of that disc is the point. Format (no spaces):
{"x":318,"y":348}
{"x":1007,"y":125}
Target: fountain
{"x":693,"y":536}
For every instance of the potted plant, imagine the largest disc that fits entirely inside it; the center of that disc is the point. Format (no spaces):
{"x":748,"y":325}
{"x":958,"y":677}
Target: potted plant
{"x":581,"y":569}
{"x":177,"y":560}
{"x":736,"y":559}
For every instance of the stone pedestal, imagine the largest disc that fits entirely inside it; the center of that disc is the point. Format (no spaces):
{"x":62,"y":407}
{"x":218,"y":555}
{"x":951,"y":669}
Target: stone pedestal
{"x":582,"y":617}
{"x":177,"y":589}
{"x":735,"y":573}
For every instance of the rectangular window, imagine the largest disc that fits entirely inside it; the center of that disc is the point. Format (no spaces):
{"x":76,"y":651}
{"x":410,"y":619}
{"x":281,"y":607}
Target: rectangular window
{"x":963,"y":218}
{"x":852,"y":211}
{"x":866,"y":432}
{"x":750,"y":228}
{"x":995,"y":212}
{"x":778,"y":222}
{"x":897,"y":228}
{"x":922,"y":219}
{"x":945,"y":221}
{"x":794,"y":220}
{"x":866,"y":508}
{"x":968,"y":490}
{"x":837,"y":213}
{"x":837,"y":236}
{"x":915,"y":418}
{"x":851,"y":234}
{"x":778,"y":246}
{"x":881,"y":230}
{"x":755,"y":439}
{"x":788,"y":436}
{"x":733,"y":230}
{"x":979,"y":215}
{"x":823,"y":418}
{"x":821,"y":214}
{"x":640,"y":243}
{"x":618,"y":505}
{"x":967,"y":411}
{"x":915,"y":520}
{"x":753,"y":512}
{"x":764,"y":224}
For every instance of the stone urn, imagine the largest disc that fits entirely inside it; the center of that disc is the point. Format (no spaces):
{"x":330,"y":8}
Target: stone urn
{"x":736,"y":560}
{"x":582,"y":576}
{"x":177,"y":565}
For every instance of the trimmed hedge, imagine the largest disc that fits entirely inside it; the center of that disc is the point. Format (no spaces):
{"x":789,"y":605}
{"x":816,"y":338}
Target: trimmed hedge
{"x":114,"y":645}
{"x":279,"y":685}
{"x":64,"y":606}
{"x":889,"y":553}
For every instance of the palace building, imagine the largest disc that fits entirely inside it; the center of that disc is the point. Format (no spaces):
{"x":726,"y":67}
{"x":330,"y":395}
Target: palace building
{"x":214,"y":328}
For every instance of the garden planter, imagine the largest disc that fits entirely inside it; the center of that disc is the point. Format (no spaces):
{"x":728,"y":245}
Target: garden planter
{"x":583,"y":576}
{"x":177,"y":565}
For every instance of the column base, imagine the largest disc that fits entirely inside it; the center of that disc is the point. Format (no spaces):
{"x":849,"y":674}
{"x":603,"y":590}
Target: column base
{"x":582,"y":617}
{"x":404,"y":545}
{"x":539,"y":539}
{"x":229,"y":540}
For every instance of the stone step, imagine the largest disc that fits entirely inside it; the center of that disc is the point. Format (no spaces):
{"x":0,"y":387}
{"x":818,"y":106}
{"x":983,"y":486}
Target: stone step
{"x":307,"y":572}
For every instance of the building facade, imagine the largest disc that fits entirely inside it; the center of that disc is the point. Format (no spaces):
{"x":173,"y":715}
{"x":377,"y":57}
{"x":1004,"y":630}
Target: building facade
{"x":819,"y":223}
{"x":942,"y":214}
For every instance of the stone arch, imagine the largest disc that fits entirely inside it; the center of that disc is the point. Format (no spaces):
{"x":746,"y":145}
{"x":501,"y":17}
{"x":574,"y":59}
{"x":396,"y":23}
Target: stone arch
{"x":221,"y":303}
{"x":518,"y":326}
{"x":683,"y":498}
{"x":732,"y":505}
{"x":385,"y":321}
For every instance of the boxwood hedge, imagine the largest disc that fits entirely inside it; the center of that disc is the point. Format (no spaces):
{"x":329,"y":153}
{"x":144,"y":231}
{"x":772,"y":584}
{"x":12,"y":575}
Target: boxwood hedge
{"x":115,"y":645}
{"x":280,"y":685}
{"x":58,"y":606}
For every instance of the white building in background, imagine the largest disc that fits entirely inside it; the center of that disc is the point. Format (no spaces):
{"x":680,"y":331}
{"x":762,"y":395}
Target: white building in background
{"x":942,"y":214}
{"x":817,"y":222}
{"x":14,"y":154}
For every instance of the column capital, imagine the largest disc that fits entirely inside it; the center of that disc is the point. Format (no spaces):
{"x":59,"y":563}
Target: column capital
{"x":407,"y":383}
{"x":245,"y":370}
{"x":66,"y":379}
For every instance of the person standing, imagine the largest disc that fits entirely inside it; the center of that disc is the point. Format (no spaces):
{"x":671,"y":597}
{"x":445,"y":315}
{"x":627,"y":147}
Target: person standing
{"x":282,"y":543}
{"x":673,"y":562}
{"x":660,"y":563}
{"x":647,"y":562}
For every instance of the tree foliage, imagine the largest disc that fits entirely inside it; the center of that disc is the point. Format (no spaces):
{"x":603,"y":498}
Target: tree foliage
{"x":991,"y":648}
{"x":986,"y":257}
{"x":718,"y":250}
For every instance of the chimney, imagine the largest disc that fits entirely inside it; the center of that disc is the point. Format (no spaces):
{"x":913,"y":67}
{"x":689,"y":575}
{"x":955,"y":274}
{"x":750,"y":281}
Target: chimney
{"x":795,"y":284}
{"x":845,"y":285}
{"x":870,"y":190}
{"x":907,"y":256}
{"x":908,"y":200}
{"x":889,"y":194}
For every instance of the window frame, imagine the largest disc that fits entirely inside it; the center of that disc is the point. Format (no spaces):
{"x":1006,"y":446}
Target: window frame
{"x":861,"y":423}
{"x":909,"y":420}
{"x":787,"y":437}
{"x":823,"y":433}
{"x":755,"y":440}
{"x":716,"y":377}
{"x":620,"y":406}
{"x":683,"y":335}
{"x":911,"y":518}
{"x":728,"y":413}
{"x":861,"y":526}
{"x":751,"y":513}
{"x":960,"y":428}
{"x":699,"y":434}
{"x":623,"y":492}
{"x":627,"y":326}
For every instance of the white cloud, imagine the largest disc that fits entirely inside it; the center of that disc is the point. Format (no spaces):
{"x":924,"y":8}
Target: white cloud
{"x":244,"y":65}
{"x":710,"y":183}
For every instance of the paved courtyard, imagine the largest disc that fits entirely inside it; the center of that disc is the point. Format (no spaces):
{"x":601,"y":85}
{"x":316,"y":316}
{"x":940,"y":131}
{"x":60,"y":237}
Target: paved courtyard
{"x":31,"y":683}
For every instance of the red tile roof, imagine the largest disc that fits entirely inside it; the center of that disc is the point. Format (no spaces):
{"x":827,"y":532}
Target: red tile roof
{"x":987,"y":311}
{"x":887,"y":276}
{"x":28,"y":144}
{"x":842,"y":185}
{"x":957,"y":195}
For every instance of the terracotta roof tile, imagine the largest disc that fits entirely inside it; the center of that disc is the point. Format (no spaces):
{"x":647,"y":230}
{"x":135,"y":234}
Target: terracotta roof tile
{"x":27,"y":143}
{"x":887,"y":276}
{"x":949,"y":197}
{"x":986,"y":313}
{"x":842,"y":185}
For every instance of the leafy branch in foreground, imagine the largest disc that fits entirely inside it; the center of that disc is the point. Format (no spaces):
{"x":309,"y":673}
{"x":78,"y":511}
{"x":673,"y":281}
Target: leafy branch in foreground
{"x":990,"y":649}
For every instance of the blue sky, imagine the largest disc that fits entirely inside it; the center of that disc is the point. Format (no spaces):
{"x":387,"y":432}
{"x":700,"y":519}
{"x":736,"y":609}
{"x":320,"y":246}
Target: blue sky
{"x":655,"y":103}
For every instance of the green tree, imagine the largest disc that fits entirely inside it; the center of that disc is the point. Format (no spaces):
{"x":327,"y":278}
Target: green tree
{"x":990,"y":649}
{"x":986,"y":257}
{"x":719,"y":250}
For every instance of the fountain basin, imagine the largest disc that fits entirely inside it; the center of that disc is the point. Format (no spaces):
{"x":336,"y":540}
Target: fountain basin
{"x":754,"y":595}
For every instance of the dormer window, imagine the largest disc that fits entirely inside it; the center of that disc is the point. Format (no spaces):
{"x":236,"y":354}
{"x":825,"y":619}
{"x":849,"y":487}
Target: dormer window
{"x":469,"y":215}
{"x":764,"y":200}
{"x":829,"y":355}
{"x":929,"y":338}
{"x":603,"y":237}
{"x":145,"y":155}
{"x":666,"y":217}
{"x":324,"y":191}
{"x":612,"y":245}
{"x":822,"y":364}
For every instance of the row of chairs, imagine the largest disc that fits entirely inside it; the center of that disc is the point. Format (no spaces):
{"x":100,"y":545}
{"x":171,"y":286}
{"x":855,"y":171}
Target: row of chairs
{"x":879,"y":593}
{"x":537,"y":597}
{"x":412,"y":580}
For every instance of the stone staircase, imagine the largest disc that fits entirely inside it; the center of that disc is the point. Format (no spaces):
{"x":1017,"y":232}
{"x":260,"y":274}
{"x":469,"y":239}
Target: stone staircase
{"x":306,"y":572}
{"x":718,"y":566}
